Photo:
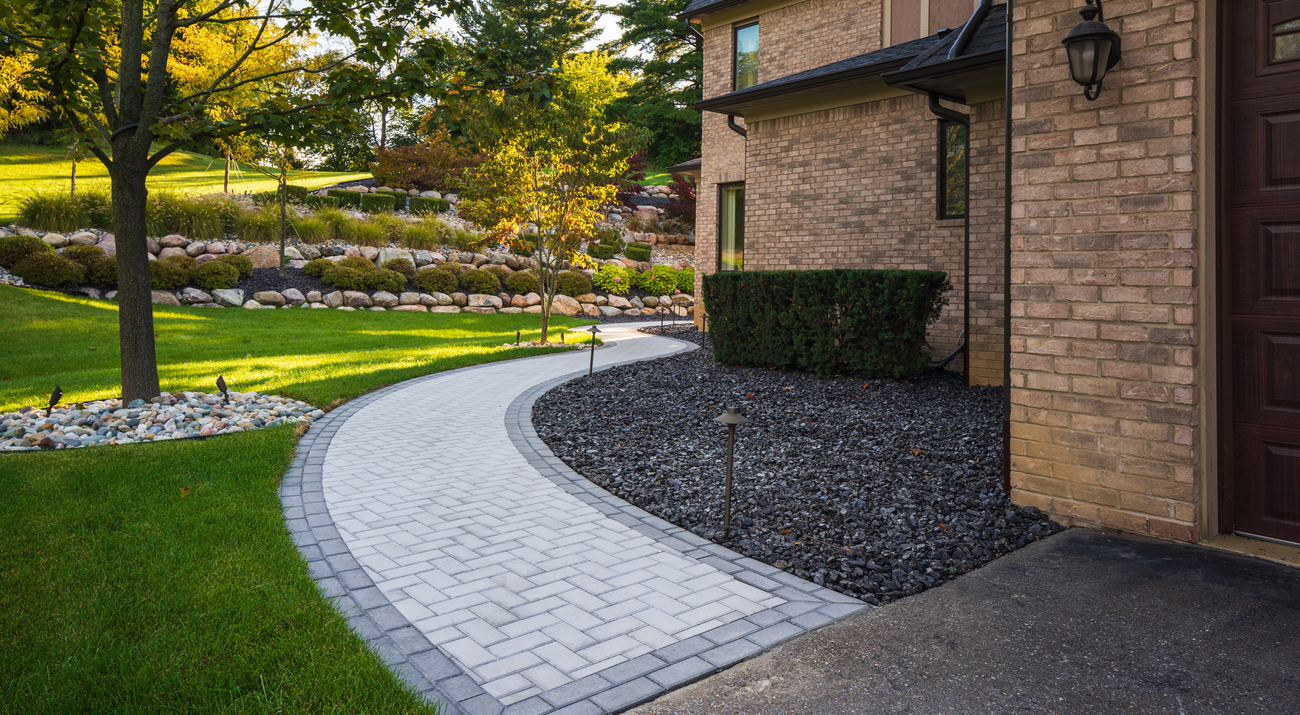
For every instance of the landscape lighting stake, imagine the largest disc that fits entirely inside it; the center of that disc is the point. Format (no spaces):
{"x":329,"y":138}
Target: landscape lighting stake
{"x":221,"y":385}
{"x":592,"y":366}
{"x":54,"y":400}
{"x":730,"y":418}
{"x":516,"y":338}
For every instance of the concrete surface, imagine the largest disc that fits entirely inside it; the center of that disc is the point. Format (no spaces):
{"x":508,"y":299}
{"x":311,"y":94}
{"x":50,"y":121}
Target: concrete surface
{"x":1080,"y":623}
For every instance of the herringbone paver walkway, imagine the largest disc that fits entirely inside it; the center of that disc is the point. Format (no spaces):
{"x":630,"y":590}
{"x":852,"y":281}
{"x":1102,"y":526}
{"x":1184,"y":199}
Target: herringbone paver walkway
{"x":496,"y":579}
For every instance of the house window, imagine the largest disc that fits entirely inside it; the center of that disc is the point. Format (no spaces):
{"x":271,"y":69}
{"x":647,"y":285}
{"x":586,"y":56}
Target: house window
{"x":731,"y":227}
{"x":747,"y":56}
{"x":953,"y":154}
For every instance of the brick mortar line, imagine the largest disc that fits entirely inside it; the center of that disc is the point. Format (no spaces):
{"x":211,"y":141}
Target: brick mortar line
{"x":437,"y":675}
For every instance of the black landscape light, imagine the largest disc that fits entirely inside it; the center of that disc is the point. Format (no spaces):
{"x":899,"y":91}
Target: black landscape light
{"x":221,"y":385}
{"x":1092,"y":48}
{"x":730,"y":418}
{"x":591,"y":368}
{"x":516,"y":338}
{"x":54,"y":400}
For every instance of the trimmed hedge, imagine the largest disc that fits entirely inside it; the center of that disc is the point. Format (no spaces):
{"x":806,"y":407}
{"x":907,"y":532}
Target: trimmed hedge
{"x":600,"y":250}
{"x":572,"y":283}
{"x":315,"y":202}
{"x":638,"y":252}
{"x":346,"y":198}
{"x":399,"y":197}
{"x":241,"y":264}
{"x":377,"y":203}
{"x":868,"y":323}
{"x":420,"y":205}
{"x":14,"y":249}
{"x":433,"y":280}
{"x":215,"y":274}
{"x":47,"y":269}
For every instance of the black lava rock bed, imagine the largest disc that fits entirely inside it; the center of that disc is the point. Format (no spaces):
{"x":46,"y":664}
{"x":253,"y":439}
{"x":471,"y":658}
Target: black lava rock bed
{"x":270,"y":279}
{"x":878,"y":489}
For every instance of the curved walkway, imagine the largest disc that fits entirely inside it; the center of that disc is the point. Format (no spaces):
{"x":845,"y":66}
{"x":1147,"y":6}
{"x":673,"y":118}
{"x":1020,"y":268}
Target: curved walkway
{"x":494,"y":578}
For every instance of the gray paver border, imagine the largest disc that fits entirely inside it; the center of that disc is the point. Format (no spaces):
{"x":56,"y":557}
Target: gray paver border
{"x":430,"y":672}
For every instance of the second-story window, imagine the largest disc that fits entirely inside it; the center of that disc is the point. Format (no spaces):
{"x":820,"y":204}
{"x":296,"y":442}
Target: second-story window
{"x":747,"y":55}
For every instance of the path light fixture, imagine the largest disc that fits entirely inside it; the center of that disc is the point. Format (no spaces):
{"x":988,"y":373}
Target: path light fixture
{"x":591,"y":368}
{"x":54,"y":400}
{"x":516,"y":338}
{"x":1092,"y":48}
{"x":221,"y":385}
{"x":731,"y":418}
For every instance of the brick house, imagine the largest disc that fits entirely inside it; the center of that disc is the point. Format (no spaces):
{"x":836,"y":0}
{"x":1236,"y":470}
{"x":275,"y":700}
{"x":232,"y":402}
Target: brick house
{"x":1149,"y":239}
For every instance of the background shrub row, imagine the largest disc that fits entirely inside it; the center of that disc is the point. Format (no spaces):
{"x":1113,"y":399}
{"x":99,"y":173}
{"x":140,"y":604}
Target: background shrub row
{"x":834,"y":322}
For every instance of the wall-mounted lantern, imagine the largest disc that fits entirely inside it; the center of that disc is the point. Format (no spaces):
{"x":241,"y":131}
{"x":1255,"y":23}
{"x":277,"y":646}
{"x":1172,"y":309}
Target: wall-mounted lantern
{"x":1093,"y":48}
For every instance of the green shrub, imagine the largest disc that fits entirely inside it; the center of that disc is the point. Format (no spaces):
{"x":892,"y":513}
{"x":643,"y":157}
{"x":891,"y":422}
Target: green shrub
{"x":186,"y":263}
{"x":167,"y":275}
{"x":615,"y":280}
{"x":358,"y":263}
{"x":659,"y":280}
{"x":344,"y":278}
{"x":367,"y":233}
{"x":215,"y":274}
{"x":452,"y":267}
{"x":479,"y":281}
{"x":48,"y":269}
{"x":637,"y":251}
{"x":260,"y":226}
{"x":523,"y":282}
{"x":377,"y":203}
{"x":610,"y":237}
{"x":85,"y":255}
{"x":420,"y":206}
{"x":686,"y":280}
{"x":524,"y":245}
{"x":317,"y":268}
{"x":50,"y":211}
{"x":433,"y":280}
{"x":400,"y":265}
{"x":342,"y":226}
{"x":297,"y":194}
{"x":834,"y":322}
{"x":399,"y":198}
{"x":103,"y":273}
{"x":351,"y":199}
{"x":381,"y":279}
{"x":600,"y":250}
{"x":426,"y":235}
{"x":15,"y":248}
{"x":312,"y":201}
{"x":499,"y":271}
{"x":572,"y":283}
{"x":311,"y":229}
{"x":240,"y":263}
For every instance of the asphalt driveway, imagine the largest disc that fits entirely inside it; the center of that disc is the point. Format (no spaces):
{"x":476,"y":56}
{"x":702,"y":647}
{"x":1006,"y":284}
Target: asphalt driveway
{"x":1081,"y":622}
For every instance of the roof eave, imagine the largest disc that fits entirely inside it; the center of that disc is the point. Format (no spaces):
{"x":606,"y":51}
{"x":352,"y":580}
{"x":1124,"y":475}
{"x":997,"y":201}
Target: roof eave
{"x":728,"y":103}
{"x":915,"y":79}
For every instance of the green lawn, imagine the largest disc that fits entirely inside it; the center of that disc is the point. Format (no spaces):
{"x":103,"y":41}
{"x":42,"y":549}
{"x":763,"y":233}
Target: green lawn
{"x":30,"y":168}
{"x":119,"y":592}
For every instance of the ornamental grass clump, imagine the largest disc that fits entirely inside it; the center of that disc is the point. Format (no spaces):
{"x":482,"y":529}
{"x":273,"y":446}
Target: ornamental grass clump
{"x":434,"y":280}
{"x":371,"y":234}
{"x":615,"y":280}
{"x":260,"y":226}
{"x":50,"y":211}
{"x":426,"y":235}
{"x":394,"y":227}
{"x":50,"y":270}
{"x":311,"y":229}
{"x":341,"y":224}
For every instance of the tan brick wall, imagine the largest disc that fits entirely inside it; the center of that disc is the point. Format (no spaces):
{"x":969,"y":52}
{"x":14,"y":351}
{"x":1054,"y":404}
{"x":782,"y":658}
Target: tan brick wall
{"x":1104,"y":273}
{"x":988,"y":242}
{"x":815,"y":33}
{"x":723,"y":151}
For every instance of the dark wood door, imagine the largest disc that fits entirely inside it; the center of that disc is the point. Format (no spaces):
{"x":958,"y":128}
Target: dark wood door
{"x":1262,"y":262}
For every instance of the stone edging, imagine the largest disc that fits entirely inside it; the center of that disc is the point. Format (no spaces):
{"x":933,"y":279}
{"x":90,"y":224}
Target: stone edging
{"x":427,"y":670}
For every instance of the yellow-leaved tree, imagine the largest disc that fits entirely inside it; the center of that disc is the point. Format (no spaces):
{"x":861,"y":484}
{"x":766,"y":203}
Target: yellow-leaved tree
{"x":20,"y":103}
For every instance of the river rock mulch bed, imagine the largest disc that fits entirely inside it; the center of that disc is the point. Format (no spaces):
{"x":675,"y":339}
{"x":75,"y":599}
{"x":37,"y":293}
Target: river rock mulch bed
{"x":878,"y":489}
{"x":169,"y":416}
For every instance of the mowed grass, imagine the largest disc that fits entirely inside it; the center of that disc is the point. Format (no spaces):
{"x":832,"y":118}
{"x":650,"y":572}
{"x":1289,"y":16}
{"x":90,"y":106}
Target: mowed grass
{"x":160,"y":578}
{"x":24,"y":169}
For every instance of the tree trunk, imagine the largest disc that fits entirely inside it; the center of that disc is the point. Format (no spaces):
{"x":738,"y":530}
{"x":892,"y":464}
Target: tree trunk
{"x":225,"y":182}
{"x":383,"y":128}
{"x":75,"y":145}
{"x":284,"y":199}
{"x":134,"y":298}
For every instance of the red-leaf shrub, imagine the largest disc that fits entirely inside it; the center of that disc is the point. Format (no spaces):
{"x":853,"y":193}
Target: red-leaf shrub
{"x":435,"y":165}
{"x":683,"y":206}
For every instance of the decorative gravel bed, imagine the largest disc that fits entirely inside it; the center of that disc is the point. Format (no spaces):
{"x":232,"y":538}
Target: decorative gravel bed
{"x":875,"y":488}
{"x":168,"y":416}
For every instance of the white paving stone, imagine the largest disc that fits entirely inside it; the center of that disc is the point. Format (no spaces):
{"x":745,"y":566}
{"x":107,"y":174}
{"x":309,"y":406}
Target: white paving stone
{"x":524,"y":585}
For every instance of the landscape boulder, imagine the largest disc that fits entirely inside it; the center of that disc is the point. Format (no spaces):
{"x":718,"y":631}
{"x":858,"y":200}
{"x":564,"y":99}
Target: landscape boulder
{"x":388,"y":254}
{"x":313,"y":296}
{"x":383,"y":299}
{"x":228,"y":297}
{"x":332,"y":300}
{"x":263,"y":256}
{"x":293,"y":296}
{"x":170,"y":251}
{"x":55,"y":240}
{"x":479,"y":300}
{"x":194,"y":295}
{"x":174,"y":240}
{"x":409,"y":298}
{"x":353,"y":299}
{"x":162,"y":297}
{"x":217,"y":248}
{"x":269,"y":297}
{"x":196,"y":249}
{"x":618,"y":301}
{"x":566,"y":305}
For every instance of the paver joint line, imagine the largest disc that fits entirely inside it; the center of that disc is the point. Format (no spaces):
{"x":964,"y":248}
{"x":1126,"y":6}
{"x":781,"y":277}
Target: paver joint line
{"x":491,"y":576}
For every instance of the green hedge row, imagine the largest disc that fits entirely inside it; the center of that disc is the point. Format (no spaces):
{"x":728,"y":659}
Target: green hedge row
{"x":399,"y":197}
{"x":351,"y":199}
{"x":836,"y":322}
{"x":320,"y":202}
{"x":377,"y":203}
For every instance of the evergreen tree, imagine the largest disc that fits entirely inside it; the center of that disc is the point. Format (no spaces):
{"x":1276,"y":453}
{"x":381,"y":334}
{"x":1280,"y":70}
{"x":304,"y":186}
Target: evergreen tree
{"x":532,"y":34}
{"x":669,"y":61}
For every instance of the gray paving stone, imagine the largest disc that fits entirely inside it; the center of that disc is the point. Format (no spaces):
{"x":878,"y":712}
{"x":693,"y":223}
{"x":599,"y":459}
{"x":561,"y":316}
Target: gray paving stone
{"x":682,"y":672}
{"x":634,"y":668}
{"x":684,"y":649}
{"x":772,"y":635}
{"x":575,"y":690}
{"x":531,"y":706}
{"x":626,"y":695}
{"x":732,"y":652}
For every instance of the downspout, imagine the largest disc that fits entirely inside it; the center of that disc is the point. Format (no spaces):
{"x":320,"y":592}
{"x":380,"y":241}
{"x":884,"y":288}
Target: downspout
{"x":731,"y":124}
{"x":1006,"y":268}
{"x":959,"y":45}
{"x":964,"y":120}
